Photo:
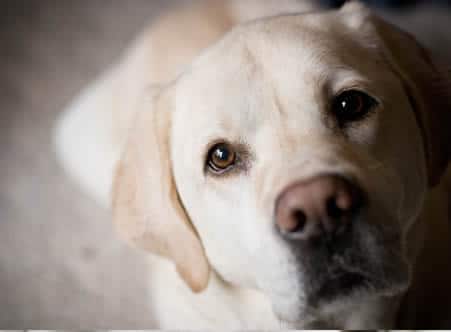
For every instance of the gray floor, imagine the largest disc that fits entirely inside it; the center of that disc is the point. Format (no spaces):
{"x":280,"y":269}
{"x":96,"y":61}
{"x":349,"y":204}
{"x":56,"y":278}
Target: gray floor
{"x":60,"y":263}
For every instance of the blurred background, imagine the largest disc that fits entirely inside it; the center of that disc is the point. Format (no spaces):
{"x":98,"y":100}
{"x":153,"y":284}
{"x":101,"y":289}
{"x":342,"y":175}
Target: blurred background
{"x":61,"y":265}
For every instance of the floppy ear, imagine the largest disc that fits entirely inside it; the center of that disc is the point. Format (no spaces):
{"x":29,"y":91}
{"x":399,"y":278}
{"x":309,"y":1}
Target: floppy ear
{"x":147,"y":210}
{"x":427,"y":85}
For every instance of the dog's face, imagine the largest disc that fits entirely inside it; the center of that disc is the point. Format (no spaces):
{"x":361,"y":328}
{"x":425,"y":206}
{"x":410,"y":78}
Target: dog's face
{"x":294,"y":157}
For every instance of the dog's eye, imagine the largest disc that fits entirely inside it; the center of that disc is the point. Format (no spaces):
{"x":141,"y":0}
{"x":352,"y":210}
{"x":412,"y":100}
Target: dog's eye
{"x":352,"y":106}
{"x":221,"y":157}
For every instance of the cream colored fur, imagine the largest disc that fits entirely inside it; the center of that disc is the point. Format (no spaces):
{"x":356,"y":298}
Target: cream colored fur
{"x":186,"y":82}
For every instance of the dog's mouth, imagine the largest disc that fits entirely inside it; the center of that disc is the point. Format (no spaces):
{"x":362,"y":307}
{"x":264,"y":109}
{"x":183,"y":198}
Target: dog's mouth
{"x":366,"y":263}
{"x":387,"y":276}
{"x":342,"y":285}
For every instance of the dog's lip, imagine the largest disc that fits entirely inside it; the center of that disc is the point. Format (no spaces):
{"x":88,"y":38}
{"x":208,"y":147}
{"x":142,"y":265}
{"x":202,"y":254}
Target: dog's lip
{"x":346,"y":280}
{"x":341,"y":285}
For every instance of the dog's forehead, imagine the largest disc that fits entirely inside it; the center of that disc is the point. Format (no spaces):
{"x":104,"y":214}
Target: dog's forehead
{"x":238,"y":82}
{"x":292,"y":52}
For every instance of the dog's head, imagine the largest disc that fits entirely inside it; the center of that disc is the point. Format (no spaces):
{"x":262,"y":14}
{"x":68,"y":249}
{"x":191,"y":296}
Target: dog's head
{"x":292,"y":157}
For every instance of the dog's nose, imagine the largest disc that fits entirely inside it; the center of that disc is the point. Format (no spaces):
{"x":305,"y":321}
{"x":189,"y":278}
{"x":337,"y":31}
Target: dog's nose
{"x":323,"y":205}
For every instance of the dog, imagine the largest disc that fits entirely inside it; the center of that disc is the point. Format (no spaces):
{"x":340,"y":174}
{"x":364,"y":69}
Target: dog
{"x":282,"y":165}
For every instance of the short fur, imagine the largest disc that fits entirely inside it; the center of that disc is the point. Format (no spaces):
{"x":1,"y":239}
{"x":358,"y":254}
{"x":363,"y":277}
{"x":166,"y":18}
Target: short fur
{"x":259,"y":74}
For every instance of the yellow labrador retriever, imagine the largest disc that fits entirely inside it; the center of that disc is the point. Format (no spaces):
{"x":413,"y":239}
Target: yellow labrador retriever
{"x":280,"y":162}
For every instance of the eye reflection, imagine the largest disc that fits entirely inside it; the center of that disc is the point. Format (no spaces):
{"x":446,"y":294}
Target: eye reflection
{"x":352,"y":105}
{"x":221,"y":157}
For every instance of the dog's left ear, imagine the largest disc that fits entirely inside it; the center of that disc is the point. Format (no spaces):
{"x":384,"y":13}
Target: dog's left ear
{"x":147,"y":210}
{"x":428,"y":86}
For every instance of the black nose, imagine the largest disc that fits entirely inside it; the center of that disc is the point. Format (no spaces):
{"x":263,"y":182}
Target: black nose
{"x":320,"y":206}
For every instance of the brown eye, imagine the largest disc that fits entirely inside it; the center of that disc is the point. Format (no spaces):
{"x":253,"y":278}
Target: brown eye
{"x":221,"y":157}
{"x":352,"y":106}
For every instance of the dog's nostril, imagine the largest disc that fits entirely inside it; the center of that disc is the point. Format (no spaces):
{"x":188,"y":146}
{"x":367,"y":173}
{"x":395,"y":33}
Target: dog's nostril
{"x":334,"y":209}
{"x":300,"y":219}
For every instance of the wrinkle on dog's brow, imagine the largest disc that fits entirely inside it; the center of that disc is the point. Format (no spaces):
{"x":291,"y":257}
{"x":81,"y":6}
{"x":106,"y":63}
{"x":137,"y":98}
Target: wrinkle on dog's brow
{"x":278,"y":102}
{"x":258,"y":66}
{"x":252,"y":62}
{"x":250,"y":58}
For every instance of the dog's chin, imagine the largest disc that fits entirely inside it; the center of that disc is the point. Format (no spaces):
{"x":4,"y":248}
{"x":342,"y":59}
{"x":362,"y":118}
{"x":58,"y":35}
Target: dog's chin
{"x":384,"y":273}
{"x":369,"y":264}
{"x":344,"y":291}
{"x":341,"y":293}
{"x":341,"y":290}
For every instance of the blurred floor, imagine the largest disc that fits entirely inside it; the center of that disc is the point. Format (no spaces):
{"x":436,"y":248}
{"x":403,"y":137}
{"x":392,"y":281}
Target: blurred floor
{"x":60,"y":263}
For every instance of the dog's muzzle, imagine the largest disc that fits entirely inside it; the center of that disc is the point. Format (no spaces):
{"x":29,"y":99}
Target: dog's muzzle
{"x":325,"y":221}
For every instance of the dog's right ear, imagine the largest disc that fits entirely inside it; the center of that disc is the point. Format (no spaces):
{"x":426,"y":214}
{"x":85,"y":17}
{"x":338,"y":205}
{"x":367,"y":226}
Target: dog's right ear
{"x":147,"y":210}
